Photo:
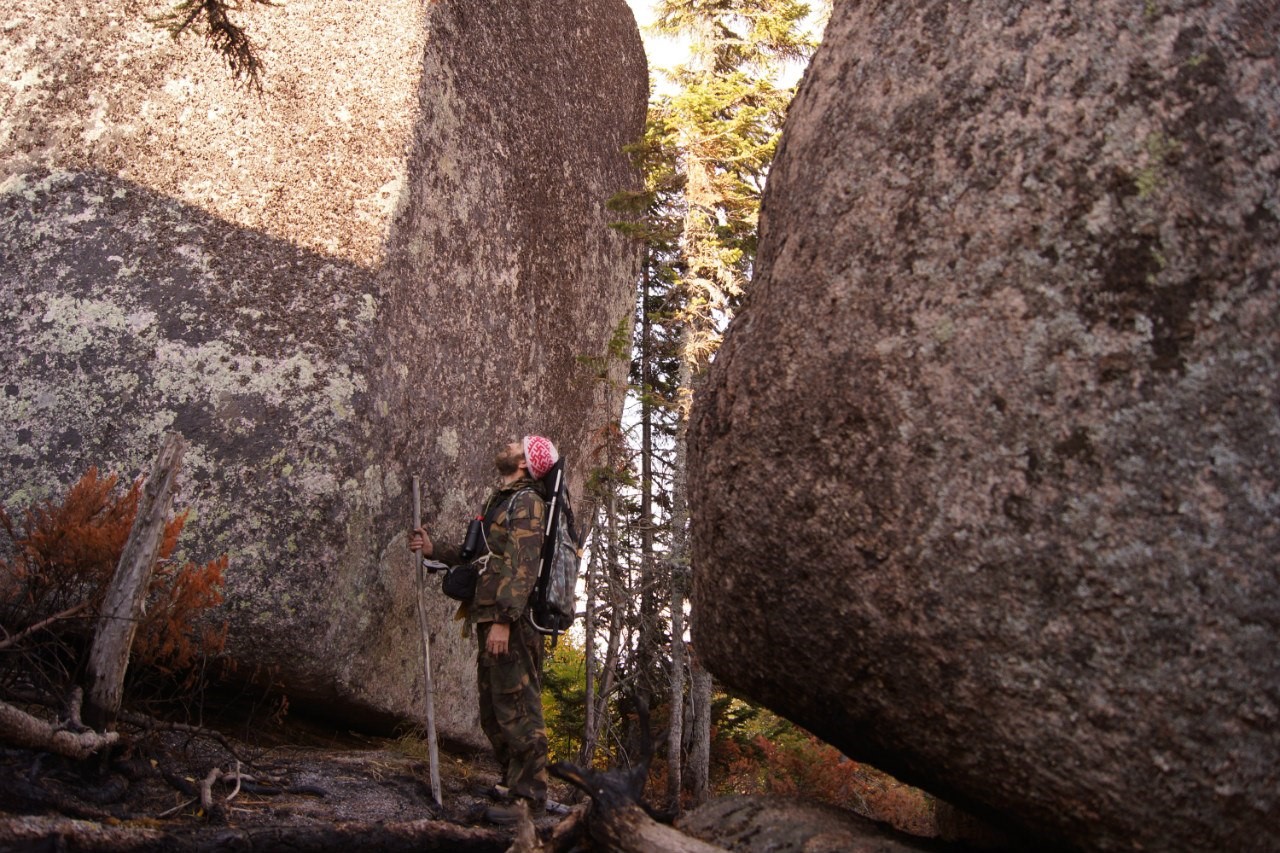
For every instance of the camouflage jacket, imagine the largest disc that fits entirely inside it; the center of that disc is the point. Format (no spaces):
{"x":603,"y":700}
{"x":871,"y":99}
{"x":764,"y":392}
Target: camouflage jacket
{"x":515,"y":543}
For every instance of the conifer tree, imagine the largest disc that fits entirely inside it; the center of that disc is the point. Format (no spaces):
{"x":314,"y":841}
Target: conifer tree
{"x":705,"y":156}
{"x":709,"y":145}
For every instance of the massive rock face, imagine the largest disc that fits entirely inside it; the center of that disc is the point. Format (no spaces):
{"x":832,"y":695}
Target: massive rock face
{"x":985,"y":475}
{"x":394,"y":258}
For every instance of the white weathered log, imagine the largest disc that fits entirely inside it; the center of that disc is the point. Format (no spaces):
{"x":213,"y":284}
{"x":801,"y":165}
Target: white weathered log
{"x":19,"y":728}
{"x":126,"y":594}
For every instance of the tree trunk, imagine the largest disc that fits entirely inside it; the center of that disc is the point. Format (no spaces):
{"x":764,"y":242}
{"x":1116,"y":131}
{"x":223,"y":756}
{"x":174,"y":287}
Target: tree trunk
{"x":589,"y":653}
{"x":617,"y":605}
{"x":700,"y":753}
{"x":126,"y":594}
{"x":675,"y":730}
{"x":679,"y":578}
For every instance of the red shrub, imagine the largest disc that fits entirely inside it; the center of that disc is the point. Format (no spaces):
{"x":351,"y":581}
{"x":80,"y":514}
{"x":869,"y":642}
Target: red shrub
{"x":64,"y":554}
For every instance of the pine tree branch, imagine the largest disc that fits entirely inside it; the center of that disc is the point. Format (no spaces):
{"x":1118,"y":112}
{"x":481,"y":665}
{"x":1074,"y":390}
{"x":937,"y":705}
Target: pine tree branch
{"x":221,"y":33}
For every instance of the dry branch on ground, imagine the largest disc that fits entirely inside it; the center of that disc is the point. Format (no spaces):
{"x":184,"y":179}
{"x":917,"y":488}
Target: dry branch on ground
{"x":19,"y":728}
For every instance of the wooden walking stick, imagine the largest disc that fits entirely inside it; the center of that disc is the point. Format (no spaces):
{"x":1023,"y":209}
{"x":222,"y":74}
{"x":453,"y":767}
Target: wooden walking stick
{"x":432,"y":752}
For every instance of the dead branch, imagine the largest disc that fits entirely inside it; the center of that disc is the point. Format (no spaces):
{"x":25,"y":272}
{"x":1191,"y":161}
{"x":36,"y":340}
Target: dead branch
{"x":419,"y":836}
{"x":569,"y":833}
{"x":236,"y":791}
{"x":206,"y":789}
{"x":21,"y":729}
{"x":526,"y":840}
{"x":149,"y":724}
{"x":41,"y":625}
{"x":618,"y":822}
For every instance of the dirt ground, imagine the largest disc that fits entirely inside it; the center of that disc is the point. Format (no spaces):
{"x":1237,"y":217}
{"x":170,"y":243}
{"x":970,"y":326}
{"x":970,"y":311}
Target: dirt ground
{"x":303,"y":775}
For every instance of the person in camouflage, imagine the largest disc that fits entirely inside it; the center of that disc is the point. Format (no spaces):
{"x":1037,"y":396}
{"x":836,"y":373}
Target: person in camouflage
{"x":509,"y":666}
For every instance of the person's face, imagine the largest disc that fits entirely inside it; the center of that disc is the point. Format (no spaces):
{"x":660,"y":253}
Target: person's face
{"x":508,"y":459}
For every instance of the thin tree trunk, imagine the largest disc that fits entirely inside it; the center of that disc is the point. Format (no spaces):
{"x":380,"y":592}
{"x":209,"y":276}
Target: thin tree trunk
{"x":589,"y":651}
{"x":648,"y":653}
{"x":679,"y":573}
{"x":617,"y":604}
{"x":700,"y":754}
{"x":675,"y":731}
{"x":126,"y":594}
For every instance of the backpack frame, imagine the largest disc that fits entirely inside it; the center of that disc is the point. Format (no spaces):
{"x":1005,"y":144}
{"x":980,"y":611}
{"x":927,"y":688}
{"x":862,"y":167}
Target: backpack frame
{"x":552,"y":605}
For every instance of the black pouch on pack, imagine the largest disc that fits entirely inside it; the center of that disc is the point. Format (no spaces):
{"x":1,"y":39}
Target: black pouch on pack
{"x":459,"y":582}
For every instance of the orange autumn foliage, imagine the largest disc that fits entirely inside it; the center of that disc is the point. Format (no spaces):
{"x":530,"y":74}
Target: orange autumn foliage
{"x":64,"y":554}
{"x":781,"y":759}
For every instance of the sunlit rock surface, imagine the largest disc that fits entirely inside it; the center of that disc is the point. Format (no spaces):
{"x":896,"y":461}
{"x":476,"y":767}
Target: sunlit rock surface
{"x":394,"y":257}
{"x":984,"y":479}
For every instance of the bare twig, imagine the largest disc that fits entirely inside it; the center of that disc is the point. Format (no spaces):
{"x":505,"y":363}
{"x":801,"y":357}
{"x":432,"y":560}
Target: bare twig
{"x":176,"y":808}
{"x":40,"y":626}
{"x":236,"y":792}
{"x":148,"y":723}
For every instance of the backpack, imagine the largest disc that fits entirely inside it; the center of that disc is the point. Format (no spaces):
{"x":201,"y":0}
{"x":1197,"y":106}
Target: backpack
{"x":552,"y":605}
{"x":460,"y":581}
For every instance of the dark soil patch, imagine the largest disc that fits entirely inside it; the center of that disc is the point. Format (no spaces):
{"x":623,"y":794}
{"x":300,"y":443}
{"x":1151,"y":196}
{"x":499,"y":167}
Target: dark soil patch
{"x":304,"y":776}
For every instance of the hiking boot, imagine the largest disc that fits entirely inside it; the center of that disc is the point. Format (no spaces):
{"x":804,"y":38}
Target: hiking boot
{"x":500,"y":793}
{"x":509,"y":813}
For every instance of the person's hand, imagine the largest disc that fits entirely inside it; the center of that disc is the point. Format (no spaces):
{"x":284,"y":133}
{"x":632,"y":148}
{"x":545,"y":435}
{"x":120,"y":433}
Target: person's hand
{"x":419,"y":540}
{"x":499,"y":638}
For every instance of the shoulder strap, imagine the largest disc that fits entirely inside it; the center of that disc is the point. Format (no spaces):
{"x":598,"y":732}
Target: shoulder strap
{"x":498,"y":507}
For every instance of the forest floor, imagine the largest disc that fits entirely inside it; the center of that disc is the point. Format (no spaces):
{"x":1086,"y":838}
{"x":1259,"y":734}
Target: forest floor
{"x":304,"y":786}
{"x":305,"y":775}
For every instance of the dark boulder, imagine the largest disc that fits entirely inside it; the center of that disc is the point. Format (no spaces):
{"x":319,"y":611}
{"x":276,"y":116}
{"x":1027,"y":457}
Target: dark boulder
{"x":396,"y":256}
{"x":985,"y":477}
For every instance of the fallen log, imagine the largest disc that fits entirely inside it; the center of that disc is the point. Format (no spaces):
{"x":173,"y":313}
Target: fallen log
{"x":81,"y":836}
{"x":762,"y":824}
{"x":19,"y":728}
{"x":618,"y":821}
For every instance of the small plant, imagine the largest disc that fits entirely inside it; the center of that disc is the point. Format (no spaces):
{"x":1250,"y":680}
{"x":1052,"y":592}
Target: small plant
{"x":413,"y":743}
{"x":564,"y":696}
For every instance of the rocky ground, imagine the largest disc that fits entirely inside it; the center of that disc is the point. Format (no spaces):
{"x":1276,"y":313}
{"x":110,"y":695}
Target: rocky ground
{"x":307,"y":786}
{"x":293,"y":778}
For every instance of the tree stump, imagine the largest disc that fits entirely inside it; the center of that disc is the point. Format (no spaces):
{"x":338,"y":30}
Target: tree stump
{"x":113,"y":638}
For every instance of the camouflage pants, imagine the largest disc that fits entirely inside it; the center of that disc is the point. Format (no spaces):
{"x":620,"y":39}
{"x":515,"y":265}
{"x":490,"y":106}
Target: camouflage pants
{"x":511,"y":709}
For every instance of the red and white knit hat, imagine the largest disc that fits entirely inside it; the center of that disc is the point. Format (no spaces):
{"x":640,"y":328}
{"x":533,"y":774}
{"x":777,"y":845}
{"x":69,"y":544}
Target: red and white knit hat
{"x":540,"y":454}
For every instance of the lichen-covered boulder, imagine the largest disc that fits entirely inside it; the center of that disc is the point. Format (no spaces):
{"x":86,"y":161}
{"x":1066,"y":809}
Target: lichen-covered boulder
{"x":986,"y":477}
{"x":396,"y":256}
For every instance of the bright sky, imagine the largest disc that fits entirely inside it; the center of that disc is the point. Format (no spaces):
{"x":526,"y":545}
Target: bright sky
{"x":664,"y":53}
